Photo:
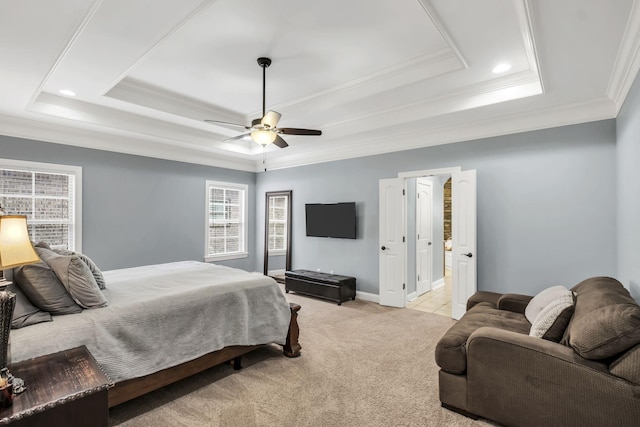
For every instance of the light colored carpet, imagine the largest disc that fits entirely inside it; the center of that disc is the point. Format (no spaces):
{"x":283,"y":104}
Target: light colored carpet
{"x":362,"y":365}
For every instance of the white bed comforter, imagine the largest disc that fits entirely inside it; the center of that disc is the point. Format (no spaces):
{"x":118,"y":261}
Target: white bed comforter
{"x":162,"y":315}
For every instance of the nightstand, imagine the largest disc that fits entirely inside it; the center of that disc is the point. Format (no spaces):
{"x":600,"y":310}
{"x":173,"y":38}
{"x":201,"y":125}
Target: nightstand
{"x":67,"y":388}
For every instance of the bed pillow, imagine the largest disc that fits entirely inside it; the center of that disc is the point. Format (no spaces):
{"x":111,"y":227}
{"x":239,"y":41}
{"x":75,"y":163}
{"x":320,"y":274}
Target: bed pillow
{"x":541,"y":300}
{"x":44,"y":290}
{"x":97,"y":274}
{"x":76,"y":277}
{"x":552,"y":321}
{"x":25,"y":313}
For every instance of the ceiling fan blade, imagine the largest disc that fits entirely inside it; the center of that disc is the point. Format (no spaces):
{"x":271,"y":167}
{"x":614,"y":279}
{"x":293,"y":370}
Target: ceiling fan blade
{"x":280,"y":142}
{"x":218,"y":122}
{"x":294,"y":131}
{"x":271,"y":119}
{"x":244,"y":135}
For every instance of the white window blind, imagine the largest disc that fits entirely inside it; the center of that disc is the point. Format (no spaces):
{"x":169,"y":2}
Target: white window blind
{"x":46,"y":194}
{"x":226,"y":221}
{"x":278,"y":223}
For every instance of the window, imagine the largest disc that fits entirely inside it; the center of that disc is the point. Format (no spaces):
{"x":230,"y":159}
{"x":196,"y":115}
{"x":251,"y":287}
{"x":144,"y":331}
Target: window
{"x":278,"y":224}
{"x":226,"y":221}
{"x":49,"y":195}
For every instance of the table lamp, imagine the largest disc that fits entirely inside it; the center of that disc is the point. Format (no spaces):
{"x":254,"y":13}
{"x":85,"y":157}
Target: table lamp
{"x":15,"y":250}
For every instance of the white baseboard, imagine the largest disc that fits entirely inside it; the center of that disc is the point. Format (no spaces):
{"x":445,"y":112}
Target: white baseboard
{"x":366,"y":296}
{"x":437,"y":283}
{"x":275,"y":272}
{"x":412,"y":296}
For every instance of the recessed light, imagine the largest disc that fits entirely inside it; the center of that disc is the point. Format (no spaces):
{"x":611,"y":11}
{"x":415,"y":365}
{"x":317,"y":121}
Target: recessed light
{"x":501,"y":68}
{"x":67,"y":92}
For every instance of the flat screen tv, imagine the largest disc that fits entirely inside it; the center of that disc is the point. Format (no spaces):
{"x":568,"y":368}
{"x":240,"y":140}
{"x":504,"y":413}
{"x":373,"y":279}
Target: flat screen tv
{"x":337,"y":220}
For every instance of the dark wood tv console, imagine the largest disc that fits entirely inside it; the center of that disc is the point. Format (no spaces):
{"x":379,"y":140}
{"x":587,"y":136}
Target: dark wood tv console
{"x":328,"y":286}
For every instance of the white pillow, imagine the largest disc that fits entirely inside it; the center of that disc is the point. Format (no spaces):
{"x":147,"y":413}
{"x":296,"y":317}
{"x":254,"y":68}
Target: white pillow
{"x":549,"y":314}
{"x":543,"y":299}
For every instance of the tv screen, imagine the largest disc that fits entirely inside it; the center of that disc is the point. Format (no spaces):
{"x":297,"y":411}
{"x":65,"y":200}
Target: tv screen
{"x":337,"y":220}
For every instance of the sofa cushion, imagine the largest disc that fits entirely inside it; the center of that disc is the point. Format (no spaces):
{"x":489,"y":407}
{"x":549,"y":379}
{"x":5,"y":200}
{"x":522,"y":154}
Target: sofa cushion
{"x":451,"y":350}
{"x":543,"y":299}
{"x":606,"y":320}
{"x":627,"y":366}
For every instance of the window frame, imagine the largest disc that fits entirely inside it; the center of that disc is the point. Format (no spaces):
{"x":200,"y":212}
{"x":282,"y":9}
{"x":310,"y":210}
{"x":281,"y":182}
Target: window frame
{"x":244,"y":239}
{"x":76,"y":171}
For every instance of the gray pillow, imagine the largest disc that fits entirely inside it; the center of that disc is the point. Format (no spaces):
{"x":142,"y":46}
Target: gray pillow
{"x":76,"y":277}
{"x":25,"y":313}
{"x":97,"y":274}
{"x":44,"y":290}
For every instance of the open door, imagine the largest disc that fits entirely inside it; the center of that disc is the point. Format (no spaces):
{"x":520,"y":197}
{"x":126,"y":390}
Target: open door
{"x":463,"y":227}
{"x":424,"y":237}
{"x":392,"y":286}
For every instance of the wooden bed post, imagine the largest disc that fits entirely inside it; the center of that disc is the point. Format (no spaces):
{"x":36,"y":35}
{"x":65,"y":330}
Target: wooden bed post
{"x":292,"y":347}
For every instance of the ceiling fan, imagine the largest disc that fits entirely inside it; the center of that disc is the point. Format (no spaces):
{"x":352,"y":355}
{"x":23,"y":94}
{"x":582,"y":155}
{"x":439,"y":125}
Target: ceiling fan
{"x":264,"y":130}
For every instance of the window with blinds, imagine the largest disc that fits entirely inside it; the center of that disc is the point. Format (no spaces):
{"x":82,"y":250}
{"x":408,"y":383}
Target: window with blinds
{"x":278,"y":224}
{"x":46,"y":194}
{"x":226,"y":221}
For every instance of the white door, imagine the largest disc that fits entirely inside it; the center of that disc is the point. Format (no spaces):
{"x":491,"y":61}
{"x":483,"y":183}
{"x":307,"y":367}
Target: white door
{"x":424,"y":237}
{"x":391,"y":245}
{"x":463,"y":228}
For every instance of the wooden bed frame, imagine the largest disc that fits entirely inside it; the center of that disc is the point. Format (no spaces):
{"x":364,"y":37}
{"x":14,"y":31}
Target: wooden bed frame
{"x":130,"y":389}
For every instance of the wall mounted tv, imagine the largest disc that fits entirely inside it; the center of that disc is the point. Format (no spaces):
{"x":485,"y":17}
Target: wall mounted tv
{"x":337,"y":220}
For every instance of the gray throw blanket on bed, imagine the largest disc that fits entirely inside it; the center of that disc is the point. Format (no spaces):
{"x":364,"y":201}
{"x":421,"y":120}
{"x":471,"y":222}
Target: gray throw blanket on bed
{"x":162,"y":315}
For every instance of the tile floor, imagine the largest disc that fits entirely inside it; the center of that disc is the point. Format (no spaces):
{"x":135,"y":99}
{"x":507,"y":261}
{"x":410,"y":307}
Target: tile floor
{"x":437,"y":301}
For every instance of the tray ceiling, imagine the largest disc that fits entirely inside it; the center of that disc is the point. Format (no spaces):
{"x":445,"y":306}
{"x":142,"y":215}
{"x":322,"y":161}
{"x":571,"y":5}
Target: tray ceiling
{"x":375,"y":76}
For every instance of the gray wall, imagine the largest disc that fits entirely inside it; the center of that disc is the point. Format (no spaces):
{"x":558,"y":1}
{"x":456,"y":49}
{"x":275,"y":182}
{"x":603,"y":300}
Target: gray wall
{"x":546,"y":206}
{"x":628,"y":134}
{"x":138,"y":210}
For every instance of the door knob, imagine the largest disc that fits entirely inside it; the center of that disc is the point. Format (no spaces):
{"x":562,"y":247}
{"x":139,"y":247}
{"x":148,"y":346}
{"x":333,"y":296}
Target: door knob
{"x":429,"y":244}
{"x":468,"y":255}
{"x":383,"y":248}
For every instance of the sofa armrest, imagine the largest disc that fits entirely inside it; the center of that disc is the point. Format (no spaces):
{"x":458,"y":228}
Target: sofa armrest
{"x":483,"y":296}
{"x":547,"y":383}
{"x":514,"y":302}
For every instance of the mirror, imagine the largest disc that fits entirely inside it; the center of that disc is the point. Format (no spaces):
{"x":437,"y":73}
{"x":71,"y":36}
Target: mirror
{"x":277,"y":234}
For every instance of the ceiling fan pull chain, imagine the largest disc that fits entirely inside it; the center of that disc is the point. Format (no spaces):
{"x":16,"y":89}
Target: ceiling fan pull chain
{"x":264,"y":159}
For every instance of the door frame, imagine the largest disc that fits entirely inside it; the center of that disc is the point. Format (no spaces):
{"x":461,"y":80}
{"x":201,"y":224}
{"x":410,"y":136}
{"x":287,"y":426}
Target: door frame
{"x":419,"y":174}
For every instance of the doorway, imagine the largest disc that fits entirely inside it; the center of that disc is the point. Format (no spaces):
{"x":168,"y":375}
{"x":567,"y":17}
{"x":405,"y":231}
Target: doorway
{"x":432,"y":199}
{"x":393,"y":233}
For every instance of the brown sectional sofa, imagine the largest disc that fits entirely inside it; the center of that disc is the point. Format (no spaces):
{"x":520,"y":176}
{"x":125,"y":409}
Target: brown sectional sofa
{"x":491,"y":368}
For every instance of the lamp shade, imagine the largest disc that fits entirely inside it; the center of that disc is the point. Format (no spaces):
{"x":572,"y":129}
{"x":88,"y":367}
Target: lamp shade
{"x":15,"y":246}
{"x":263,"y":137}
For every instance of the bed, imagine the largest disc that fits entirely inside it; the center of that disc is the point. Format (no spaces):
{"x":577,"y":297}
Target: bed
{"x":165,"y":322}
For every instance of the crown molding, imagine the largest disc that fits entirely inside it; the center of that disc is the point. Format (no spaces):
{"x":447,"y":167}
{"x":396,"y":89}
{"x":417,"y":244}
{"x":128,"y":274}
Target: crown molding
{"x":66,"y":48}
{"x":121,"y":141}
{"x":627,"y":61}
{"x":143,"y":94}
{"x":544,"y":118}
{"x":444,"y":33}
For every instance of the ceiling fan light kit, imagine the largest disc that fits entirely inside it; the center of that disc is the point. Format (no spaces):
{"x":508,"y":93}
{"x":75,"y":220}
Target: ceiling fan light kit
{"x":263,"y":137}
{"x":264,"y":130}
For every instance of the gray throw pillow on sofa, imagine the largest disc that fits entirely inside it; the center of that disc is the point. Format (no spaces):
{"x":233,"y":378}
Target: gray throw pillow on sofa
{"x":25,"y":313}
{"x":76,"y":277}
{"x":606,"y":320}
{"x":44,"y":290}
